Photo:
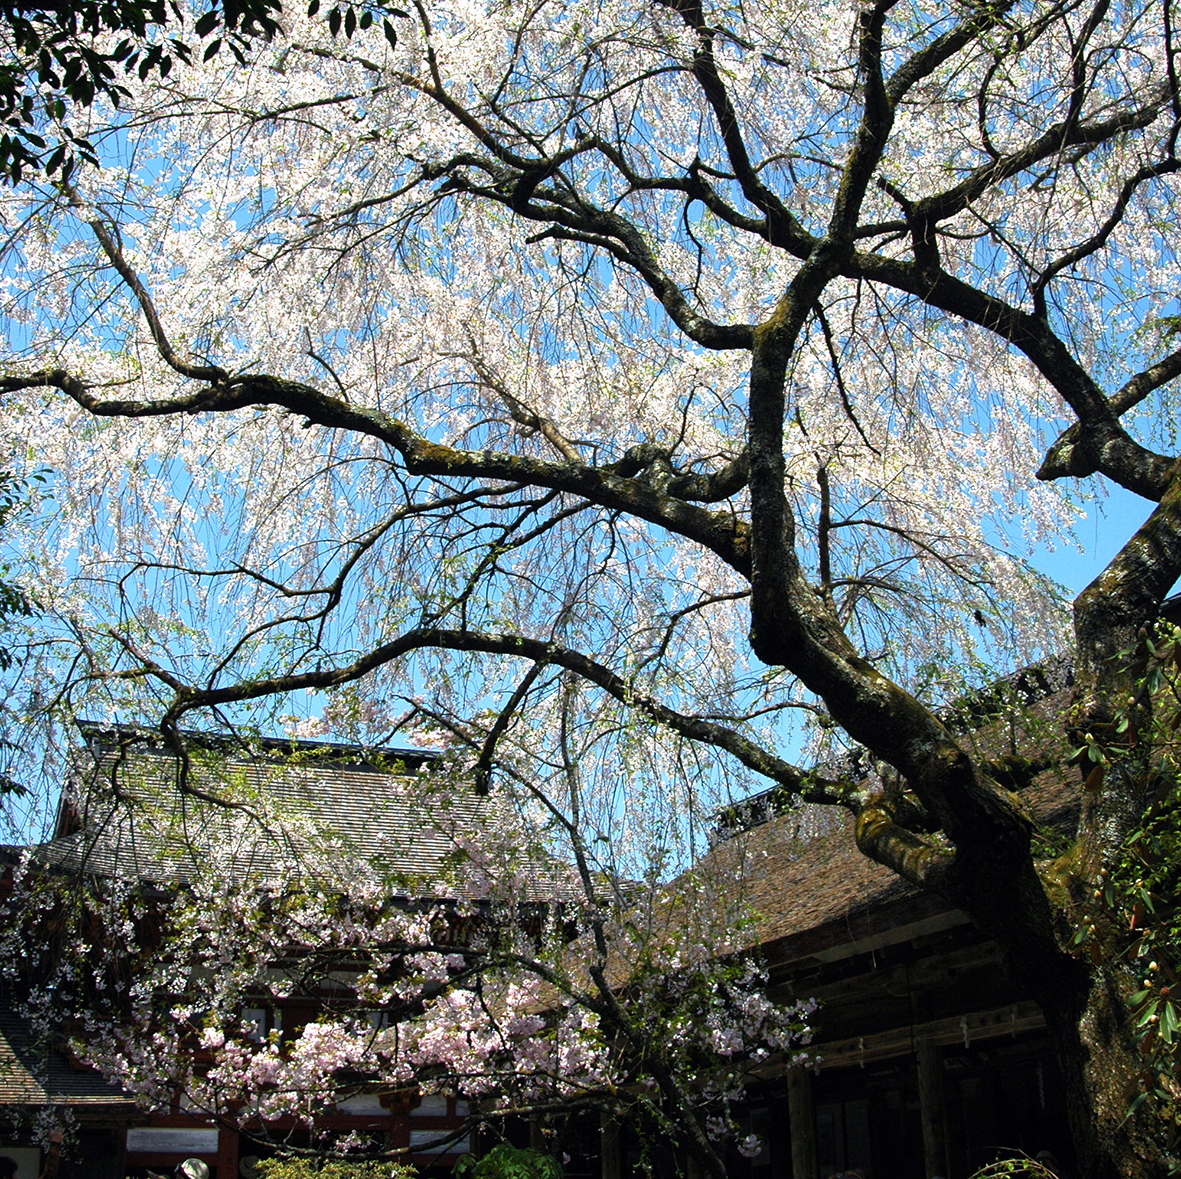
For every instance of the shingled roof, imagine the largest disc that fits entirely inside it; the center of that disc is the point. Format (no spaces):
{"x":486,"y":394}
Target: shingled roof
{"x":806,"y":894}
{"x":796,"y":887}
{"x":33,"y":1074}
{"x":257,"y":813}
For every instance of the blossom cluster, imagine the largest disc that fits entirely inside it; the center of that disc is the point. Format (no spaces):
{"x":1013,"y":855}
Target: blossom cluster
{"x":254,"y":997}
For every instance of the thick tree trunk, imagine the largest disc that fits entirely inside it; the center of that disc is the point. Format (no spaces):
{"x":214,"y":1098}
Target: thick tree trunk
{"x":1089,"y":1021}
{"x":1083,"y":1000}
{"x":1084,"y":1005}
{"x":1100,"y":1067}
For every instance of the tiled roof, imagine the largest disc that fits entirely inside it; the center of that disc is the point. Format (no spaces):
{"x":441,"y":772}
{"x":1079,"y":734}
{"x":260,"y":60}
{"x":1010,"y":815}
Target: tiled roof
{"x":32,"y":1074}
{"x":418,"y":834}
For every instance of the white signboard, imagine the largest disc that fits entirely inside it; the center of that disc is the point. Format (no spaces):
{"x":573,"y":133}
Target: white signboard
{"x":183,"y":1140}
{"x":362,"y":1103}
{"x":426,"y":1142}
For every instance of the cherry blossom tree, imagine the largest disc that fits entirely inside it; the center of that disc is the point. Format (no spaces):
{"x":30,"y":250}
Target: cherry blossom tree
{"x":264,"y":971}
{"x":715,"y":365}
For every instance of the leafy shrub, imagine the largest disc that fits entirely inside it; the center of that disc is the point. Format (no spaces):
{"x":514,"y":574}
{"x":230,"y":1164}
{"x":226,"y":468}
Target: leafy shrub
{"x":509,"y":1162}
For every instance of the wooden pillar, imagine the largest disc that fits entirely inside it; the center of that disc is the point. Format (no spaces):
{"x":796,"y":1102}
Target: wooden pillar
{"x":801,"y":1113}
{"x":932,"y":1108}
{"x":610,"y":1147}
{"x":121,"y":1149}
{"x":779,"y":1138}
{"x":227,"y":1154}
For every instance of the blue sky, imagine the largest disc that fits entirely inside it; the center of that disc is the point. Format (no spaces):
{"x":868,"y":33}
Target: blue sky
{"x":1109,"y":524}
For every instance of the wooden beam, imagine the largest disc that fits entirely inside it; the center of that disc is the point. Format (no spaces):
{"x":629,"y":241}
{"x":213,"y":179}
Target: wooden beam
{"x":858,"y":933}
{"x":1011,"y":1020}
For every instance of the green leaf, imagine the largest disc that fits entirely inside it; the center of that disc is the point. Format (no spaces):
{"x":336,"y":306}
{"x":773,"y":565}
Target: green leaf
{"x":208,"y":23}
{"x":391,"y":34}
{"x":1169,"y":1023}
